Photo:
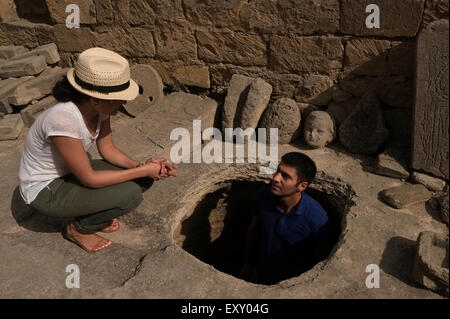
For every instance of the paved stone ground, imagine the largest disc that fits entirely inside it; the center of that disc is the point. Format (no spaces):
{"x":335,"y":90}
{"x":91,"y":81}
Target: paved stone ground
{"x":145,"y":262}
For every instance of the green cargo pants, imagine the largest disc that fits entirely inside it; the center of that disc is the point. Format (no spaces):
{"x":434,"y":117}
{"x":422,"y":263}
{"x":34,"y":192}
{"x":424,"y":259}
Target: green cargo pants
{"x":92,"y":209}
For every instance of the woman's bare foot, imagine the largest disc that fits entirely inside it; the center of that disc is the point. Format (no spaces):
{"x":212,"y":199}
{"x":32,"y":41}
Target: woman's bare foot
{"x":89,"y":242}
{"x":114,"y":226}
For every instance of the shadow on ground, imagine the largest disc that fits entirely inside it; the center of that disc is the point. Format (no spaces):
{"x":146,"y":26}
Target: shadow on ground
{"x":397,"y":259}
{"x":31,"y":220}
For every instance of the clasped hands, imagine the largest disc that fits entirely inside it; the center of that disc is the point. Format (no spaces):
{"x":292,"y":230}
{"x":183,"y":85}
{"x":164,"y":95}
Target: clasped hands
{"x":160,"y":168}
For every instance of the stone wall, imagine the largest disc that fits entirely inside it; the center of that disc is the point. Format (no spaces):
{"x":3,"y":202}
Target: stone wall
{"x":317,"y":52}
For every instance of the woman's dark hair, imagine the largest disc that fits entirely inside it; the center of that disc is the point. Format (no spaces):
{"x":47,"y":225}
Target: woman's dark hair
{"x":63,"y":91}
{"x":303,"y":164}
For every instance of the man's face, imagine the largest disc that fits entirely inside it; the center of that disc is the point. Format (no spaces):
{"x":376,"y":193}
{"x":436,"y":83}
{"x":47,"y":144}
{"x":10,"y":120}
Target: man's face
{"x":284,"y":181}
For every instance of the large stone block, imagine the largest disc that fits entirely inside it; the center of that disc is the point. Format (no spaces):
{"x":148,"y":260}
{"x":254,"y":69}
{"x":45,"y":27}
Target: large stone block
{"x":193,"y":76}
{"x":49,"y":51}
{"x":161,"y":13}
{"x":297,"y":16}
{"x":126,"y":41}
{"x":213,"y":13}
{"x":431,"y":110}
{"x":306,"y":54}
{"x":231,"y":47}
{"x":10,"y":127}
{"x":31,"y":112}
{"x":152,"y":128}
{"x":257,"y":99}
{"x":397,"y":18}
{"x":38,"y":87}
{"x":366,"y":56}
{"x":104,"y":11}
{"x":405,"y":195}
{"x":235,"y":99}
{"x":73,"y":40}
{"x":23,"y":32}
{"x":176,"y":44}
{"x":9,"y":51}
{"x":7,"y":87}
{"x":26,"y":66}
{"x":57,"y":10}
{"x":430,"y":267}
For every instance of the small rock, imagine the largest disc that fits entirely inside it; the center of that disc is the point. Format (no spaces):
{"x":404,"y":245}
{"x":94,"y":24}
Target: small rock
{"x":284,"y":115}
{"x":432,"y":183}
{"x":320,"y":129}
{"x":405,"y":195}
{"x":430,"y":267}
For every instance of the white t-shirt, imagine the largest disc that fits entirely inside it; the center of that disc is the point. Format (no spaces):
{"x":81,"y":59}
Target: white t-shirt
{"x":41,"y":162}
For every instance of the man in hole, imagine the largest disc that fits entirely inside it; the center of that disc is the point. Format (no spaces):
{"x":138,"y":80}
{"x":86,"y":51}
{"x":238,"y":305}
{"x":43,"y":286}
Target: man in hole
{"x":287,"y":225}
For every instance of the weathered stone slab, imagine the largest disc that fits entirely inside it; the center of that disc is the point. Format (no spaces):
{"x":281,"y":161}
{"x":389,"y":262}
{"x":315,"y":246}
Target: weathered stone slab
{"x":231,"y":47}
{"x":235,"y":99}
{"x":257,"y":99}
{"x":430,"y":267}
{"x":151,"y":129}
{"x":27,"y":66}
{"x":37,"y":87}
{"x":49,"y":51}
{"x":392,"y":163}
{"x":150,"y":88}
{"x":31,"y":112}
{"x":10,"y":51}
{"x":10,"y":127}
{"x":397,"y":18}
{"x":430,"y":182}
{"x":366,"y":56}
{"x":363,"y":131}
{"x":322,"y":54}
{"x":287,"y":17}
{"x":405,"y":195}
{"x":283,"y":114}
{"x":431,"y":110}
{"x":7,"y":87}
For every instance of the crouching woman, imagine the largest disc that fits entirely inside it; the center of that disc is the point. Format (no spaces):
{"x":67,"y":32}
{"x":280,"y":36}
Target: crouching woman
{"x":58,"y":179}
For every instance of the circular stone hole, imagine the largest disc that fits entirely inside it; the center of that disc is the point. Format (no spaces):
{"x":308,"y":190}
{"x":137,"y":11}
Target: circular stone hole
{"x":216,"y":231}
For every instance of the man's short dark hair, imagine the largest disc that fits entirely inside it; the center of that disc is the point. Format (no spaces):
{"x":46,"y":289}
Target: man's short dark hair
{"x":303,"y":164}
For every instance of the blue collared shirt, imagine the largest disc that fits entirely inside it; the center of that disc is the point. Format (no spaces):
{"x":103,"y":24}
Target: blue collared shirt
{"x":286,"y":240}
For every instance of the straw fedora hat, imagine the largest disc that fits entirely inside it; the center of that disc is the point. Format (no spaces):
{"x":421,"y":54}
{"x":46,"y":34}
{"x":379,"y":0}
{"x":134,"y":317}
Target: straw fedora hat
{"x":103,"y":74}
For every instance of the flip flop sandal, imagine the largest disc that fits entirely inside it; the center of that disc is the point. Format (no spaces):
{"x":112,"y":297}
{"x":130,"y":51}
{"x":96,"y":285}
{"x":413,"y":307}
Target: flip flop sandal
{"x":72,"y":239}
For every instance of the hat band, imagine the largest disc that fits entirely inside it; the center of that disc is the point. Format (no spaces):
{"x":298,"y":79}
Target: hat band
{"x":101,"y":89}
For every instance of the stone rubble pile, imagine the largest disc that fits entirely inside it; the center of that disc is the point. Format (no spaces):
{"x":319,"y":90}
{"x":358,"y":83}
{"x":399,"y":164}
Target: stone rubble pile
{"x":27,"y":78}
